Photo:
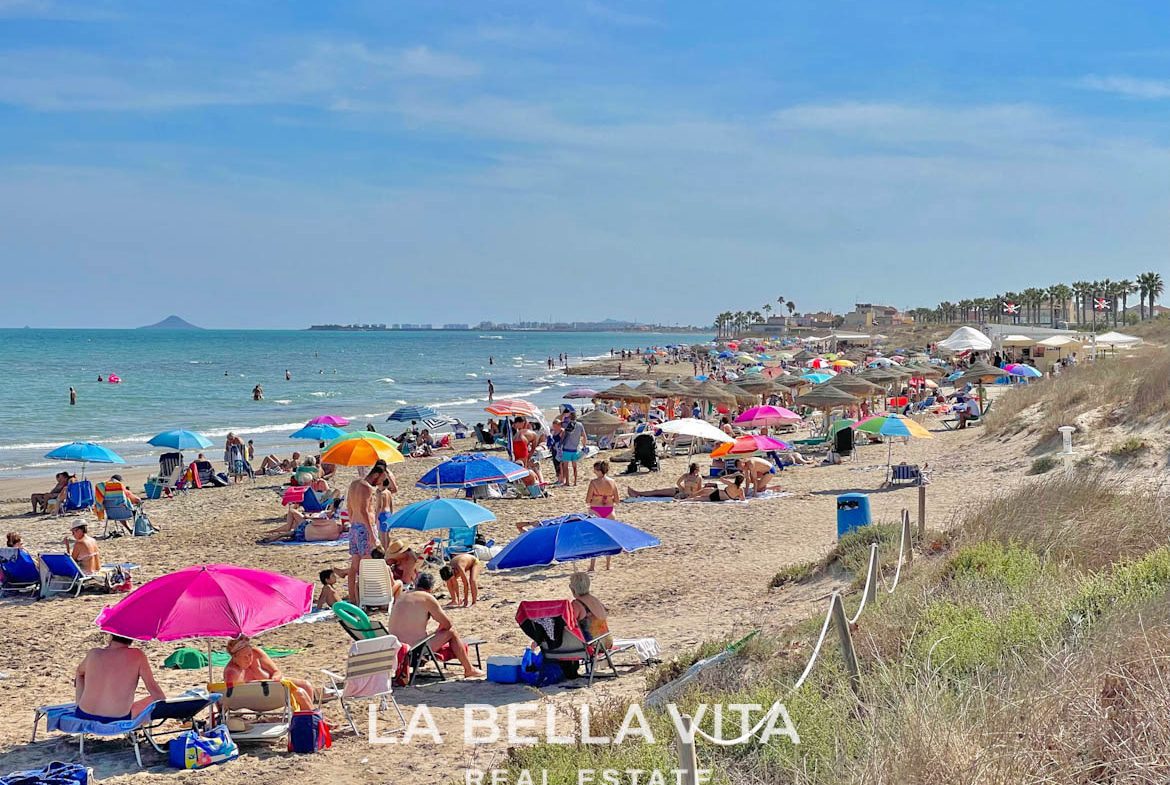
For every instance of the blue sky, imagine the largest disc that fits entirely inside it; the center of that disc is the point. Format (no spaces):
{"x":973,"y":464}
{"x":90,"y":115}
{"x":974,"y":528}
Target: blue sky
{"x":275,"y":164}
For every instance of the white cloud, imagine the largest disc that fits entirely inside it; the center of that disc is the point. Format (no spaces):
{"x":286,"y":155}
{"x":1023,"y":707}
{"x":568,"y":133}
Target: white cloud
{"x":1129,"y":87}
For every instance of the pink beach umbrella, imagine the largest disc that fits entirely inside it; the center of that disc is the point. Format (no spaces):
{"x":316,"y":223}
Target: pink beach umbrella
{"x":208,"y":601}
{"x":768,"y":416}
{"x":329,"y":419}
{"x":751,"y":443}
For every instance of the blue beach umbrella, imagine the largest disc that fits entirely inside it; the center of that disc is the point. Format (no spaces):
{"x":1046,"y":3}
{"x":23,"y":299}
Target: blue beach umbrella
{"x":571,"y":538}
{"x":84,"y":452}
{"x":954,"y":376}
{"x":470,"y":470}
{"x":317,"y":433}
{"x":180,"y":440}
{"x":409,"y":413}
{"x":817,"y":378}
{"x":436,"y":514}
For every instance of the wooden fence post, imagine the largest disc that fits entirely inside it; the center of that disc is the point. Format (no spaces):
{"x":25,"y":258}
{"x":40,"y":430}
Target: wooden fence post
{"x":841,"y":621}
{"x":921,"y":512}
{"x":688,"y":759}
{"x":907,"y":553}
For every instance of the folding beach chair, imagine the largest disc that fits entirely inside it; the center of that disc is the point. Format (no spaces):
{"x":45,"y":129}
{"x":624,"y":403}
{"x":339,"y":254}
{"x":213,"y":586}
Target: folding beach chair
{"x":375,"y":584}
{"x":311,"y":503}
{"x":19,"y":574}
{"x":144,"y":727}
{"x":116,"y":506}
{"x":356,"y":623}
{"x":78,"y":497}
{"x":459,"y":540}
{"x":905,"y":473}
{"x":359,"y":626}
{"x":843,"y":443}
{"x":64,"y":576}
{"x":369,"y":675}
{"x":553,"y":625}
{"x":264,"y":707}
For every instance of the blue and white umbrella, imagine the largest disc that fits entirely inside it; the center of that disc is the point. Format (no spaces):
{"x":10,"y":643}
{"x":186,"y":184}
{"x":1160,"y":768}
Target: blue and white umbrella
{"x":83,"y":453}
{"x":571,"y":538}
{"x":317,"y":433}
{"x":411,"y":413}
{"x":180,"y":440}
{"x":435,"y":514}
{"x":439,"y":421}
{"x":471,"y":470}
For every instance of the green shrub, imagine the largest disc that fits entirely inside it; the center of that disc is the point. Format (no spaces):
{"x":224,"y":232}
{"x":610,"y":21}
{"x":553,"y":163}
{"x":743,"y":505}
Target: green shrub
{"x":1127,"y":584}
{"x":1129,"y":448}
{"x":1010,"y":566}
{"x":1043,"y":465}
{"x":795,"y":573}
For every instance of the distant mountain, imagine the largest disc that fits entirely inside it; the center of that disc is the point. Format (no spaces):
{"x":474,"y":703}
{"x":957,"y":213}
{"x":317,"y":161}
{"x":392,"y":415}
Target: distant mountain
{"x":172,"y":322}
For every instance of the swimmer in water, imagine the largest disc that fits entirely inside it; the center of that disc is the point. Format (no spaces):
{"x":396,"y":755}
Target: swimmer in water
{"x":257,"y":393}
{"x":100,"y":379}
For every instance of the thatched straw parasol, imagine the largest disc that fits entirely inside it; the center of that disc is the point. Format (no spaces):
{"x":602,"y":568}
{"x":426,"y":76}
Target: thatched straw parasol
{"x":622,"y":392}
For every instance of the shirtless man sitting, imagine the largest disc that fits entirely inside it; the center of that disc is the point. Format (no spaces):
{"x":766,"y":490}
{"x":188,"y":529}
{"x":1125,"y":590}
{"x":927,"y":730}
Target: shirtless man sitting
{"x":40,"y":501}
{"x":312,"y":527}
{"x":250,"y":663}
{"x":464,"y":570}
{"x":412,"y":613}
{"x":83,"y":548}
{"x":107,"y":679}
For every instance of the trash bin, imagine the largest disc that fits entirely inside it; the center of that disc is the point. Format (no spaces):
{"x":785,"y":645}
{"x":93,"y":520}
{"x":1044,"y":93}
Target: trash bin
{"x":852,"y":512}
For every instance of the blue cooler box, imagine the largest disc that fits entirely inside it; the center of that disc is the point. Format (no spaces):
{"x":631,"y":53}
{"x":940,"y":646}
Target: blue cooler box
{"x":852,"y":512}
{"x":503,"y":670}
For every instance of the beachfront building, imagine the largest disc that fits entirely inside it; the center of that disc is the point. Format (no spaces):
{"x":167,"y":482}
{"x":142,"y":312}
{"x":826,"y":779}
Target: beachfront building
{"x":868,"y":315}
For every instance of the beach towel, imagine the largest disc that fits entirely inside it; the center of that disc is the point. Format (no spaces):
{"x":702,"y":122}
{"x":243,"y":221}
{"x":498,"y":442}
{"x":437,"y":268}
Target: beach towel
{"x":312,"y":617}
{"x":343,"y":540}
{"x":191,"y":658}
{"x":646,"y":648}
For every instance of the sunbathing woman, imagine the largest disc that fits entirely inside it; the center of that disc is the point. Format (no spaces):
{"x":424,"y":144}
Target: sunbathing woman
{"x":687,"y":485}
{"x":251,"y":663}
{"x":315,"y":527}
{"x":713,"y":493}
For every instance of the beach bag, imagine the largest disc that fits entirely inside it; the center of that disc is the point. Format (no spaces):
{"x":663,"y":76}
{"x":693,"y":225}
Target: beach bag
{"x":120,"y":580}
{"x":194,"y":750}
{"x":308,"y":732}
{"x":54,"y":774}
{"x":142,"y":525}
{"x":531,"y":665}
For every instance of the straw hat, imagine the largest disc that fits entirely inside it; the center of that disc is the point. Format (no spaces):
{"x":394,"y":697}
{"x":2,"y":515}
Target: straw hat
{"x":396,"y":548}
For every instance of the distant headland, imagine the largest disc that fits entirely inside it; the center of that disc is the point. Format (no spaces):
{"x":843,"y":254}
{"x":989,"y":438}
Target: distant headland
{"x":172,"y":322}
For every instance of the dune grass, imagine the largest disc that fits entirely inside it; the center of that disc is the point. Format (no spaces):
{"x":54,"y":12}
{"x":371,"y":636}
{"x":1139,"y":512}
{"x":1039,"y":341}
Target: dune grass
{"x":1035,"y":649}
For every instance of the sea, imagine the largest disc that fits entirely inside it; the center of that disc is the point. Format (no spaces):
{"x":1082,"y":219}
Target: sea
{"x":202,"y":380}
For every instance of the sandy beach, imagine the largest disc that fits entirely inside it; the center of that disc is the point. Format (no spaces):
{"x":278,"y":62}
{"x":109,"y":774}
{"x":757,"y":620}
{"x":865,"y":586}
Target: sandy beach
{"x":709,"y":580}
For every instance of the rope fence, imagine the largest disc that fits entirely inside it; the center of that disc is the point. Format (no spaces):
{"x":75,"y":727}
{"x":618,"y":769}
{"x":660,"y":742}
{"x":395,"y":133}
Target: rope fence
{"x":835,"y":617}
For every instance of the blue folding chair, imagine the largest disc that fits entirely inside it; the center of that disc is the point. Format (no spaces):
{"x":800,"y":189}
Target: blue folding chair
{"x":19,"y":574}
{"x":310,"y":502}
{"x":459,"y":540}
{"x":65,"y":575}
{"x":78,"y":496}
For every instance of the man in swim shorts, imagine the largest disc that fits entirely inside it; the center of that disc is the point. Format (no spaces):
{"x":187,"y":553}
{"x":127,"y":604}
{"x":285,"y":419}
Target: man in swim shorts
{"x":362,"y":503}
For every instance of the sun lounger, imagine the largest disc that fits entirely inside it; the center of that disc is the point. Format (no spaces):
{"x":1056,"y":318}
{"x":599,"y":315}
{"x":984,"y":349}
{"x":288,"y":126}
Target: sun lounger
{"x":62,"y":575}
{"x":263,"y":707}
{"x":19,"y":573}
{"x":553,"y":626}
{"x":369,"y":675}
{"x":181,"y":708}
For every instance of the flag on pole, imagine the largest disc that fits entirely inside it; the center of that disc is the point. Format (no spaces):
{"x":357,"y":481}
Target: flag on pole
{"x":1100,"y":304}
{"x":1011,"y":308}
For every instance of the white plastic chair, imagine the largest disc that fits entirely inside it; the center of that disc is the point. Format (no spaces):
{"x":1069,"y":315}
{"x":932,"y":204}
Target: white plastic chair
{"x":375,"y":584}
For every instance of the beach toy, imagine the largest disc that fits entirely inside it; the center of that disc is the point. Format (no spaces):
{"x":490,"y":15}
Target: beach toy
{"x":114,"y":378}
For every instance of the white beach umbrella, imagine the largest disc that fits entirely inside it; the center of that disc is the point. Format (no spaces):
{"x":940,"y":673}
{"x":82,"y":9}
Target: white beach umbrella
{"x":690,"y":426}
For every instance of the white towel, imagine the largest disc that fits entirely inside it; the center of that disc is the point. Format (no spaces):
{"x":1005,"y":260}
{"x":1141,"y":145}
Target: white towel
{"x":646,"y":648}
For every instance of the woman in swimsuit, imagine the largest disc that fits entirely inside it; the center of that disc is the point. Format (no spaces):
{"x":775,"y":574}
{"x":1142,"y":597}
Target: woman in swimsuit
{"x":299,"y":527}
{"x":601,"y":496}
{"x":592,"y":616}
{"x":713,"y":493}
{"x":687,"y":485}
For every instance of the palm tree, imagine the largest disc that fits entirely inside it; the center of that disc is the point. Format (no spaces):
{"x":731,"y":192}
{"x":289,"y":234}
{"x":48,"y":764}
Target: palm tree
{"x":1149,"y":287}
{"x":1061,"y":294}
{"x":1126,"y":287}
{"x":1080,"y":292}
{"x":791,"y":308}
{"x":766,"y":308}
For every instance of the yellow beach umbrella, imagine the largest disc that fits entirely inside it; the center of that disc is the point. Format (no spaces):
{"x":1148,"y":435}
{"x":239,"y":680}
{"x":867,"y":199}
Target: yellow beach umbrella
{"x":361,"y":448}
{"x":843,"y":363}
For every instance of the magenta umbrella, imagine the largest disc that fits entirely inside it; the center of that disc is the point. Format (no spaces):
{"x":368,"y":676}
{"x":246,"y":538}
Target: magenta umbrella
{"x":768,"y":415}
{"x":335,"y":420}
{"x":208,"y":601}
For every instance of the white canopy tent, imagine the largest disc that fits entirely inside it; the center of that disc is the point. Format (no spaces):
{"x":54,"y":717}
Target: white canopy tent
{"x":1017,"y":340}
{"x":966,"y":339}
{"x":1115,"y":340}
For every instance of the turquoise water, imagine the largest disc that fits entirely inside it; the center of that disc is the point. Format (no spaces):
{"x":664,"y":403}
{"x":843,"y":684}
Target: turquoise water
{"x":202,"y":380}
